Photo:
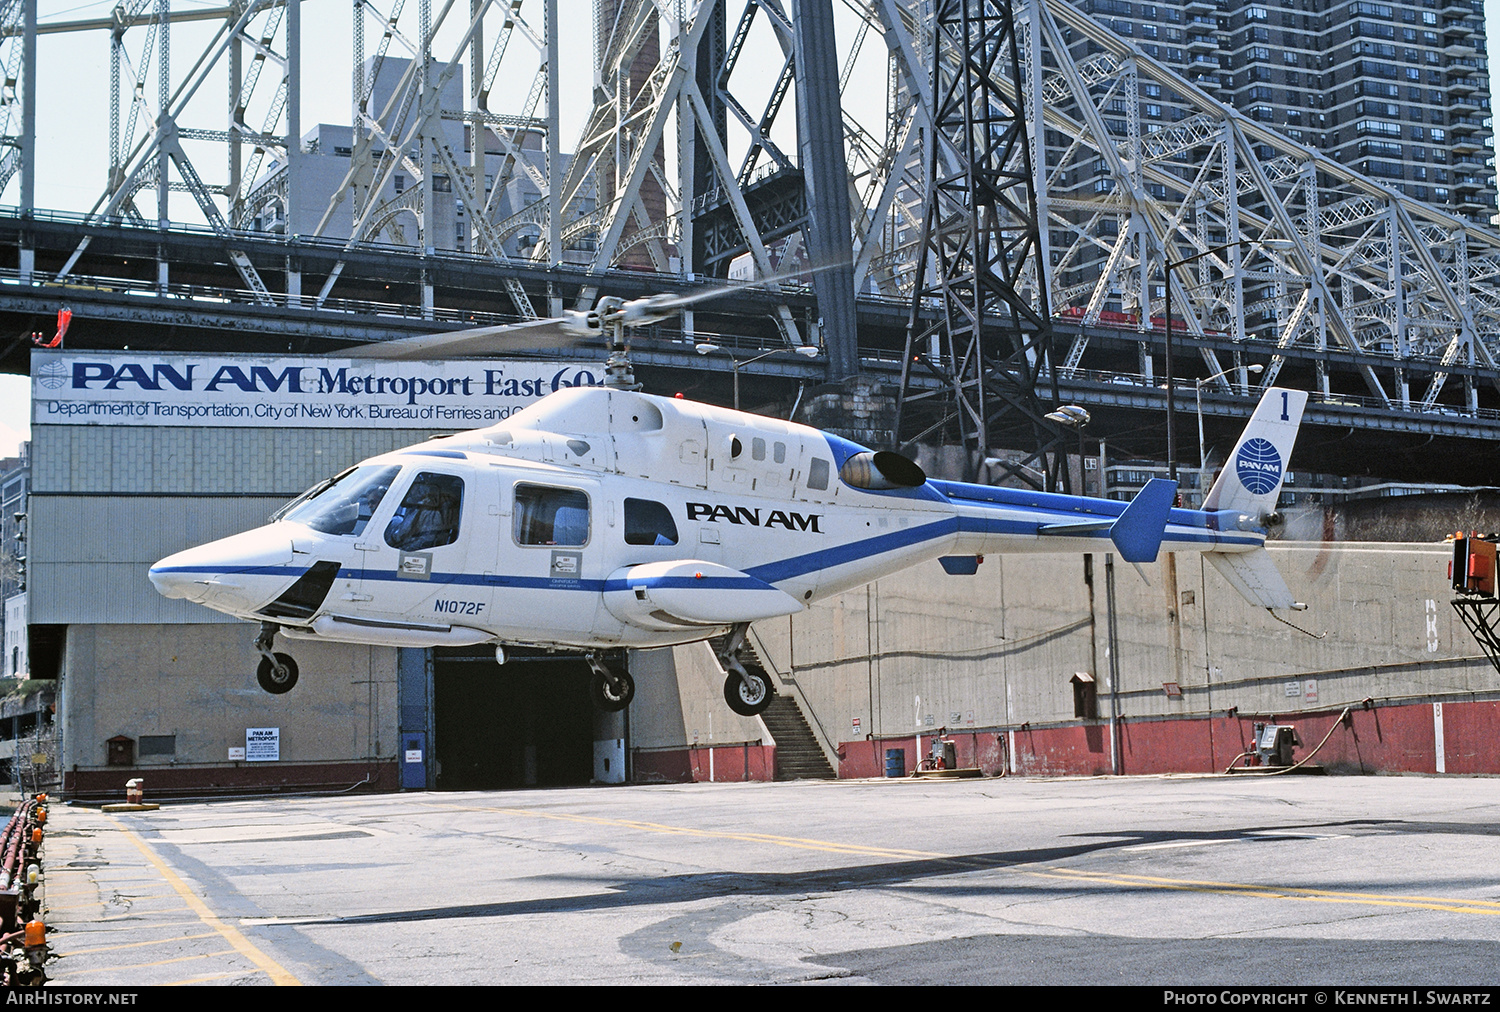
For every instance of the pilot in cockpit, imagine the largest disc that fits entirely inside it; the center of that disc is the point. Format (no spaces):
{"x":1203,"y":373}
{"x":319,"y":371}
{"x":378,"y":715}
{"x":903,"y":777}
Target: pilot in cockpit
{"x":428,"y":515}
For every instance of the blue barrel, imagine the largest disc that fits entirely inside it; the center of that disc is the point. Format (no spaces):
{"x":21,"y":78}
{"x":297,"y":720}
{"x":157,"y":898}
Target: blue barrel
{"x":895,"y":762}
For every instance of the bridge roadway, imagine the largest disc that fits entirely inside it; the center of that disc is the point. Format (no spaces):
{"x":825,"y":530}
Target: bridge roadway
{"x":139,"y":287}
{"x":1175,"y":880}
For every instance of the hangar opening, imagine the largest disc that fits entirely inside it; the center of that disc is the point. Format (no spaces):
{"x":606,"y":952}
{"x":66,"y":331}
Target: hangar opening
{"x":528,"y":723}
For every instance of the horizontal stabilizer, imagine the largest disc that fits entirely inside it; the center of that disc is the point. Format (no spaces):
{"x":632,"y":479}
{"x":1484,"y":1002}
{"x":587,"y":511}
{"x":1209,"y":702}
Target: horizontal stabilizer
{"x":1138,"y":532}
{"x":1255,"y":576}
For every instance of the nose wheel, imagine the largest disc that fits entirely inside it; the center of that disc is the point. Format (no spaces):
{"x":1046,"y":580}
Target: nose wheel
{"x":611,"y":686}
{"x":277,"y":672}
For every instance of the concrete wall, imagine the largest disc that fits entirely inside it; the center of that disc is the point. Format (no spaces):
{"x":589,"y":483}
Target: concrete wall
{"x":1003,"y":645}
{"x":168,"y":460}
{"x":990,"y":653}
{"x":197,"y":682}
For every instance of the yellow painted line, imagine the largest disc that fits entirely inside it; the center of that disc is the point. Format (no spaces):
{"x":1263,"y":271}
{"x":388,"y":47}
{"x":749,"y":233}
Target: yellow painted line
{"x":133,"y":898}
{"x":137,"y":945}
{"x":204,"y":979}
{"x":799,"y":843}
{"x":141,"y":966}
{"x":1446,"y":904}
{"x":232,"y":935}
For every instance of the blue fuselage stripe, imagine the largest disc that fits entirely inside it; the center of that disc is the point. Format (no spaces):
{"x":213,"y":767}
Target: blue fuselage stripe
{"x":1191,"y":527}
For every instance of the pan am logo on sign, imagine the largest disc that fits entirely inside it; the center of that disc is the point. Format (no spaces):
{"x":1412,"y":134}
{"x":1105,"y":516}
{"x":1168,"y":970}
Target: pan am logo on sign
{"x":1258,"y":466}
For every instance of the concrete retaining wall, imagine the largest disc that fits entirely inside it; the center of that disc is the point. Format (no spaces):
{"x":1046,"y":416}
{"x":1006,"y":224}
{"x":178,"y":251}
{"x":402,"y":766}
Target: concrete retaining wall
{"x":994,"y":654}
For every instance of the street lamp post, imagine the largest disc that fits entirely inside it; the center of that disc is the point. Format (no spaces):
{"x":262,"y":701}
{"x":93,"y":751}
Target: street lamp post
{"x":1074,"y":417}
{"x":1171,"y":384}
{"x":805,"y":350}
{"x":1202,"y":451}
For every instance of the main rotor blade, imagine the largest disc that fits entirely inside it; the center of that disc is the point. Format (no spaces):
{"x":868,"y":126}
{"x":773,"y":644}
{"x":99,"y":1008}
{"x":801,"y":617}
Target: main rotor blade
{"x":677,"y":301}
{"x":528,"y":335}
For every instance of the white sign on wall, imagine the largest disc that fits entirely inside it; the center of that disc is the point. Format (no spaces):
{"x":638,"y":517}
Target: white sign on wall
{"x":262,"y":744}
{"x":261,"y":391}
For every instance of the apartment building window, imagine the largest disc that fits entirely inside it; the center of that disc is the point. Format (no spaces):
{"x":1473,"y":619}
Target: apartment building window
{"x":1373,"y":29}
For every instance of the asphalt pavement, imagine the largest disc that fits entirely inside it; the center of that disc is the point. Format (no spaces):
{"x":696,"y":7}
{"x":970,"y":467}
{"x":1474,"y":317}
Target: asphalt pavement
{"x":1152,"y":881}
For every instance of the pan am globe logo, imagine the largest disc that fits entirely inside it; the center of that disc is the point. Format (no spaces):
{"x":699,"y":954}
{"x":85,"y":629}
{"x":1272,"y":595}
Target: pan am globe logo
{"x":53,"y":375}
{"x":1258,"y":466}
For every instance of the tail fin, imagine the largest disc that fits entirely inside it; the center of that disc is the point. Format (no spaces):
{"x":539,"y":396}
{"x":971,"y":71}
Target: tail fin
{"x":1251,"y":480}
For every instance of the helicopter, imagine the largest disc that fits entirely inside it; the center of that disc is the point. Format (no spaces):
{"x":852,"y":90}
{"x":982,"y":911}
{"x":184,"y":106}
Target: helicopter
{"x":601,"y":519}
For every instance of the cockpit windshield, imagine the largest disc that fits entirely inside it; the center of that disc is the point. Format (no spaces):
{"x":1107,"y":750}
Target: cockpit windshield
{"x":344,"y":504}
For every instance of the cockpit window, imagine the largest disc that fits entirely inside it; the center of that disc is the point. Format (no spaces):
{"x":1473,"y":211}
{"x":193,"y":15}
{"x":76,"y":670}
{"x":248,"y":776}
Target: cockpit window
{"x":342,"y":505}
{"x":428,"y":515}
{"x":551,"y":516}
{"x":648,"y":522}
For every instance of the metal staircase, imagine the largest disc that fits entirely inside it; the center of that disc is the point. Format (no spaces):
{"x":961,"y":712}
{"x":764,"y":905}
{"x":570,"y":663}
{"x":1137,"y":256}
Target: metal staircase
{"x":798,"y":755}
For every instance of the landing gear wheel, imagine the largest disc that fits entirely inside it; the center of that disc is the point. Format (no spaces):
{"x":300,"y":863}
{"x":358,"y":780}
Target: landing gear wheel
{"x":612,"y":692}
{"x":277,"y":677}
{"x":748,"y":693}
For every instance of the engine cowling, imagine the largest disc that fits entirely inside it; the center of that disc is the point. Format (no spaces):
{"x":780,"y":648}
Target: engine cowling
{"x":691,"y":593}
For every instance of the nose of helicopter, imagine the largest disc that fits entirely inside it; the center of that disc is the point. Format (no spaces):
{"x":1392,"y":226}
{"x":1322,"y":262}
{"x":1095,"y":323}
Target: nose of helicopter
{"x":230,"y":574}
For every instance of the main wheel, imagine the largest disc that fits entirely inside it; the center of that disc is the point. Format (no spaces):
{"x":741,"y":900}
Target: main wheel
{"x":614,"y":691}
{"x":747,"y":693}
{"x":279,"y":677}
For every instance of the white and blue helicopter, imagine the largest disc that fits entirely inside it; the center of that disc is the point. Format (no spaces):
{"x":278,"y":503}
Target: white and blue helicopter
{"x":601,"y":519}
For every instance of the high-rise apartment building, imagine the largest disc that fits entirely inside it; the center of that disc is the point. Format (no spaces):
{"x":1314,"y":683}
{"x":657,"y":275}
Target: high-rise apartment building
{"x":1396,"y":91}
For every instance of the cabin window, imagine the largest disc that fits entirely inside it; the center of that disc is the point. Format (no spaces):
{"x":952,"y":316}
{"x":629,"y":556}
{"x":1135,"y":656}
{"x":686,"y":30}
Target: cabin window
{"x":551,"y":516}
{"x":342,"y":505}
{"x":428,"y":516}
{"x":757,"y":449}
{"x":778,"y":453}
{"x":649,"y":523}
{"x":817,"y":474}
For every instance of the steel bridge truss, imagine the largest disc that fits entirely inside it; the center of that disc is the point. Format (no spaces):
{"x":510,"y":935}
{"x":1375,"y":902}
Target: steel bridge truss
{"x":1320,"y":265}
{"x":990,"y":348}
{"x":1315,"y":257}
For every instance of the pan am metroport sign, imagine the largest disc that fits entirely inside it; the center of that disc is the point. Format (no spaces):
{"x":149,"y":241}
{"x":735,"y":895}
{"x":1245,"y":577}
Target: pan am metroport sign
{"x":155,"y":388}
